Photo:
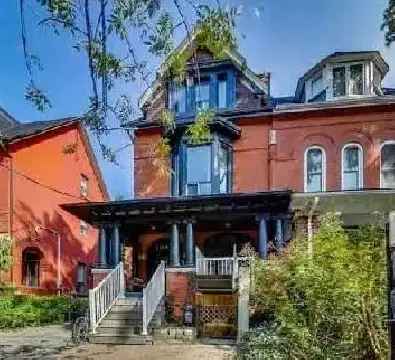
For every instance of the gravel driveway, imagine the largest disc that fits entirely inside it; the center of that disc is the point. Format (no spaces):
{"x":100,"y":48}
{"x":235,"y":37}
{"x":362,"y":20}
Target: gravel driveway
{"x":53,"y":342}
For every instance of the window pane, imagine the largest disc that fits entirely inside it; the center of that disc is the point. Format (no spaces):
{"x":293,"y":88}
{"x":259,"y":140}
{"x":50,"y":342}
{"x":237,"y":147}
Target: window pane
{"x":314,"y":170}
{"x":223,"y":169}
{"x":204,"y":188}
{"x":198,"y":164}
{"x":351,"y":181}
{"x":388,"y":166}
{"x":202,"y":95}
{"x":356,"y":79}
{"x":351,"y":159}
{"x":339,"y":82}
{"x":178,"y":99}
{"x":222,"y":91}
{"x":314,"y":183}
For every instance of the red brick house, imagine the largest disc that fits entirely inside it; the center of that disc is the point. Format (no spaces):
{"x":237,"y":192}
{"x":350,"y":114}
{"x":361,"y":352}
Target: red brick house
{"x":271,"y":166}
{"x":42,"y":165}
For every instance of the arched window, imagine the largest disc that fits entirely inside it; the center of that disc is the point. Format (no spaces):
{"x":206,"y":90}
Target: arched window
{"x":352,"y":167}
{"x":387,"y":174}
{"x":31,"y":267}
{"x":314,"y":169}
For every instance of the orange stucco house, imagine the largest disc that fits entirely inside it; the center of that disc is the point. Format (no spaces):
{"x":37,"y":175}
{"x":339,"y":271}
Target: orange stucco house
{"x":42,"y":165}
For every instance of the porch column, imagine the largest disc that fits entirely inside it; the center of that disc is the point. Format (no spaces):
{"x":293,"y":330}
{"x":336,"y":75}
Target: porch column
{"x":174,"y":246}
{"x":262,"y":238}
{"x":116,"y":245}
{"x":279,"y":234}
{"x":102,"y":246}
{"x":189,"y":244}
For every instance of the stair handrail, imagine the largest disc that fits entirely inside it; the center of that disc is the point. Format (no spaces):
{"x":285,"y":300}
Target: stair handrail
{"x":104,"y":295}
{"x":153,"y":293}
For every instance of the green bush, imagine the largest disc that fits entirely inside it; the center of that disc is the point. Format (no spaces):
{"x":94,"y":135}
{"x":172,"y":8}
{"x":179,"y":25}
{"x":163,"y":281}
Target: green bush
{"x":328,"y":305}
{"x":22,"y":310}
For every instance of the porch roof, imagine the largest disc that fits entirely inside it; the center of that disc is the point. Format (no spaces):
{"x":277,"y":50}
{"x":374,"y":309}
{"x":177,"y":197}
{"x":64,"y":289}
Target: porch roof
{"x":171,"y":208}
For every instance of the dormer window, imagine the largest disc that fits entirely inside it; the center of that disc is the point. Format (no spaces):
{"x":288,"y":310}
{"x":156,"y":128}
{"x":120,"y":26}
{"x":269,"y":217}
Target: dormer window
{"x":202,"y":94}
{"x":348,"y":80}
{"x":222,"y":91}
{"x":178,"y":98}
{"x":211,"y":90}
{"x":356,"y":79}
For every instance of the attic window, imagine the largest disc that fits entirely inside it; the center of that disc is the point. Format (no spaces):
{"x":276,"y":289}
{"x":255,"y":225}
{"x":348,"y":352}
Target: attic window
{"x":339,"y":81}
{"x":356,"y":79}
{"x":348,"y":80}
{"x":84,"y":187}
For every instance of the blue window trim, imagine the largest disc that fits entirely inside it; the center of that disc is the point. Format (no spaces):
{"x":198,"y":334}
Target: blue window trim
{"x":190,"y":92}
{"x":179,"y":163}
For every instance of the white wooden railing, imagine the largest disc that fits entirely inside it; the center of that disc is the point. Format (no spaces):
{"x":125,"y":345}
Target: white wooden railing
{"x":153,"y":293}
{"x":227,"y":266}
{"x":103,"y":296}
{"x":214,"y":266}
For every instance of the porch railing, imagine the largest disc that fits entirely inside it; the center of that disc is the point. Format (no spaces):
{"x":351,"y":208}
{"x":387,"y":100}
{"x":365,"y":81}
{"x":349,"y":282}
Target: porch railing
{"x":103,"y":296}
{"x":153,"y":293}
{"x":215,"y":266}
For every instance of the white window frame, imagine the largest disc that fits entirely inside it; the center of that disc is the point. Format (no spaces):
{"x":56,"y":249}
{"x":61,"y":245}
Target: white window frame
{"x":347,"y":74}
{"x":360,"y":163}
{"x":84,"y":228}
{"x":323,"y":181}
{"x":387,"y":142}
{"x":84,"y":185}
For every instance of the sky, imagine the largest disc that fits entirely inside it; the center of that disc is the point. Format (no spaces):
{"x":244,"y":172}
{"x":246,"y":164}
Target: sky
{"x":283,"y":37}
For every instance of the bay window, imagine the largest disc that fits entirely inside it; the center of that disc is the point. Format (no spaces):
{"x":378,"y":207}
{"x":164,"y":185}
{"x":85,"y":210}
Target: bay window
{"x":315,"y":168}
{"x":352,"y":167}
{"x":388,"y":165}
{"x":198,"y":170}
{"x":202,"y":94}
{"x":202,"y":169}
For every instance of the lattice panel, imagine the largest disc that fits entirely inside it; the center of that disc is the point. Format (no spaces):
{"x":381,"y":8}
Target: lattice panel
{"x":217,"y":314}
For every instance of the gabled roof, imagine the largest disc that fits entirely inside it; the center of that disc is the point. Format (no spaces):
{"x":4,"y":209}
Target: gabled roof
{"x":233,"y":55}
{"x":6,"y":120}
{"x":11,"y":132}
{"x":23,"y":130}
{"x":342,"y":56}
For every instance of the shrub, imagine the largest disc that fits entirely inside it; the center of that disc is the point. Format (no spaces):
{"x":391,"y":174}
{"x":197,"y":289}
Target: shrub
{"x":22,"y":310}
{"x":331,"y":305}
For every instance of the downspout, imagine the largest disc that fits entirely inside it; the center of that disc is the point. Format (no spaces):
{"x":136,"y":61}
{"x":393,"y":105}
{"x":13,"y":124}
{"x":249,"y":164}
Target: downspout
{"x":310,"y":215}
{"x":11,"y":208}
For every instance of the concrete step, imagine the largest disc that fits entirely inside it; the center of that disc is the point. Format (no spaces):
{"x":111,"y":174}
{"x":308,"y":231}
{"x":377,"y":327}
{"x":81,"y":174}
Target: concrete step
{"x":134,"y":294}
{"x":124,"y":315}
{"x":120,"y":339}
{"x":123,"y":308}
{"x":127,"y":301}
{"x":119,"y":331}
{"x":106,"y":322}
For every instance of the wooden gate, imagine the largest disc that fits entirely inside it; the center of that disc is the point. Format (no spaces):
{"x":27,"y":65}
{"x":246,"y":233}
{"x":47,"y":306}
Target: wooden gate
{"x":216,"y":315}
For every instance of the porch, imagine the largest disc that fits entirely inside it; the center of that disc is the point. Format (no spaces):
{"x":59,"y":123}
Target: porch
{"x":181,"y":250}
{"x":182,"y":230}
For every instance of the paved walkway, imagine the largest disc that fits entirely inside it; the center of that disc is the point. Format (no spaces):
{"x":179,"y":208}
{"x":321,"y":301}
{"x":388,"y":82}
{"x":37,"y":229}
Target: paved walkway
{"x":149,"y":352}
{"x":53,"y":342}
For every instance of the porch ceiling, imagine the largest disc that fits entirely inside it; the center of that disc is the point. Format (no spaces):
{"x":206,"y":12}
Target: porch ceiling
{"x":162,"y":209}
